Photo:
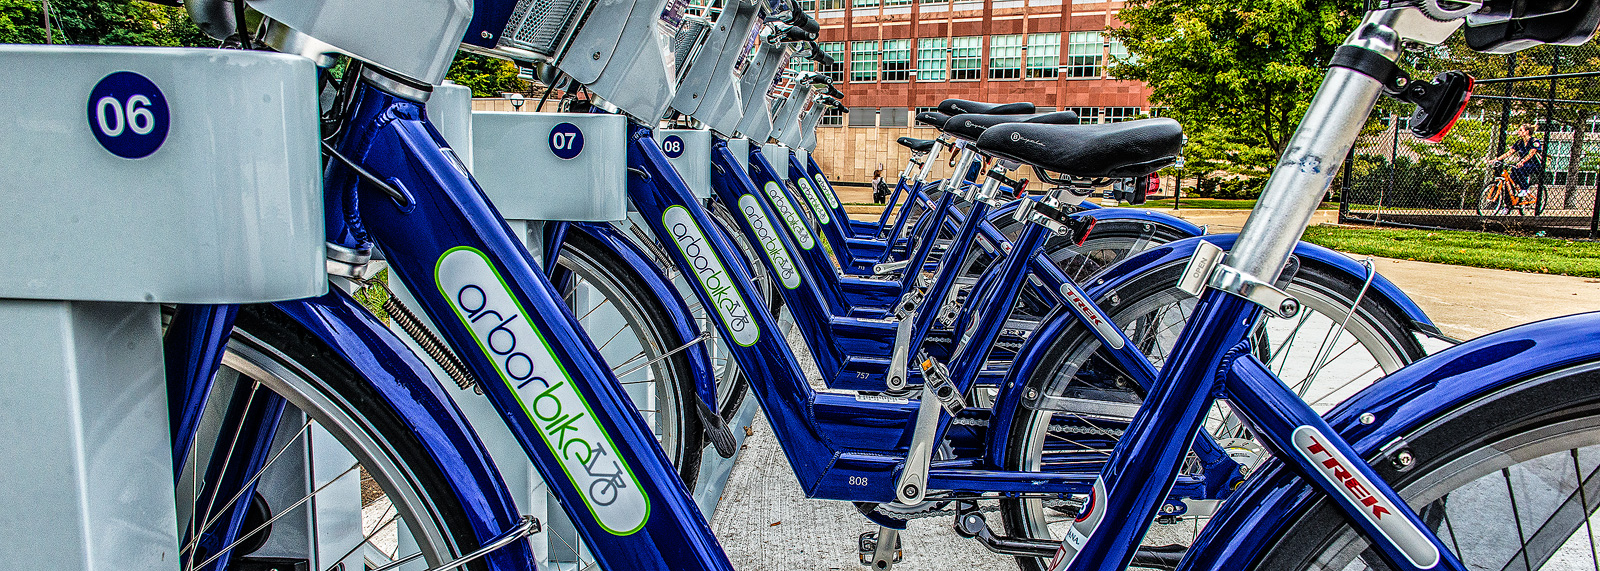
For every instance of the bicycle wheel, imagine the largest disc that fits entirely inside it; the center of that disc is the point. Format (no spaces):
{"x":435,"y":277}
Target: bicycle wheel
{"x":1508,"y":482}
{"x":1490,"y":199}
{"x":1309,"y":352}
{"x":634,"y":334}
{"x":379,"y":497}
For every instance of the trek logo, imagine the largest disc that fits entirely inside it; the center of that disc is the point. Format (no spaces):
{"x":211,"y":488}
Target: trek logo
{"x":1378,"y":510}
{"x":790,"y":215}
{"x":811,"y":197}
{"x":735,"y":313}
{"x":1092,"y":315}
{"x":542,"y":387}
{"x":822,"y":184}
{"x":788,"y":275}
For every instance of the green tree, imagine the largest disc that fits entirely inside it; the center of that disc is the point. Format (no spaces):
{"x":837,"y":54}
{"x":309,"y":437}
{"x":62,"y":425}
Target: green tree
{"x":100,"y":22}
{"x":1246,"y":68}
{"x":488,"y":77}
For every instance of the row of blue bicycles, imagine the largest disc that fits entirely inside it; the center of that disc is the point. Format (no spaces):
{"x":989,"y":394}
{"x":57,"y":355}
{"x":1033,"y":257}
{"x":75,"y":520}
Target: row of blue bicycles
{"x":563,"y":313}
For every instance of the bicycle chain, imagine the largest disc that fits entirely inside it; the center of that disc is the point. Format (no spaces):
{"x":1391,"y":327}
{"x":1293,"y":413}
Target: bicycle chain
{"x":936,"y":508}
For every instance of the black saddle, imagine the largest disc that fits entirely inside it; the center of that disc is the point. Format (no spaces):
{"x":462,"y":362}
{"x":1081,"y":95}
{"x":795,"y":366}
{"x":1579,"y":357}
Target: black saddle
{"x":971,"y":125}
{"x":918,"y":145}
{"x":933,"y":119}
{"x":953,"y":107}
{"x":1128,"y":149}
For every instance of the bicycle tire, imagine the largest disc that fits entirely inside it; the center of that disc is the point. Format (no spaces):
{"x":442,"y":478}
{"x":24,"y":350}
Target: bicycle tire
{"x":1489,"y":199}
{"x":1379,"y":329}
{"x":1536,"y":429}
{"x":273,"y":352}
{"x":626,"y":297}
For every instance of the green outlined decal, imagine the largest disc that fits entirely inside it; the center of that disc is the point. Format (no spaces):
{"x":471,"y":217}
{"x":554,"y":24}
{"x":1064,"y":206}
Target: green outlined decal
{"x":788,"y":275}
{"x":691,"y":240}
{"x":790,"y":215}
{"x":483,"y":301}
{"x":811,"y":197}
{"x":830,"y":195}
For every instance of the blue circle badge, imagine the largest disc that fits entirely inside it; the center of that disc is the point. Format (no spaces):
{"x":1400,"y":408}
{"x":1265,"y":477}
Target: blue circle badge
{"x":672,"y":146}
{"x":128,"y":115}
{"x":566,"y":141}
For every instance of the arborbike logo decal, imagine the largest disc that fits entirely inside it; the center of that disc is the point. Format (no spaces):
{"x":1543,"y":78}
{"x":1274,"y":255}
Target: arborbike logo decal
{"x":788,"y":275}
{"x":1092,"y":315}
{"x":822,"y":184}
{"x":1376,"y":508}
{"x":790,"y":215}
{"x":811,"y":198}
{"x":735,"y":313}
{"x":543,"y":388}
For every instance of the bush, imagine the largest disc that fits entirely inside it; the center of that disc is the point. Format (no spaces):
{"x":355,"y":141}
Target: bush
{"x":1249,"y":187}
{"x":1429,"y":183}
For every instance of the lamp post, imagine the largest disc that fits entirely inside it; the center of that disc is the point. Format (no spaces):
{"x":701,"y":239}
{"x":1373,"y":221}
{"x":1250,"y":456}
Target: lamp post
{"x":516,"y":101}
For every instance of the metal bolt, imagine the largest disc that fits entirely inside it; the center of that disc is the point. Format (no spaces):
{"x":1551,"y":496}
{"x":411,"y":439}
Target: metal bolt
{"x":1115,"y":299}
{"x":1032,"y":394}
{"x":910,"y":490}
{"x":1404,"y":459}
{"x":486,"y":35}
{"x":1289,"y":307}
{"x":1368,"y":418}
{"x":1169,"y":508}
{"x":595,"y":56}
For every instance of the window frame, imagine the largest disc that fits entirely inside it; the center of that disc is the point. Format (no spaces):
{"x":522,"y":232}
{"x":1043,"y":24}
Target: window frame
{"x":903,"y":72}
{"x":1091,"y":63}
{"x":1000,"y":64}
{"x":943,"y":59}
{"x":976,"y":59}
{"x":1035,"y":65}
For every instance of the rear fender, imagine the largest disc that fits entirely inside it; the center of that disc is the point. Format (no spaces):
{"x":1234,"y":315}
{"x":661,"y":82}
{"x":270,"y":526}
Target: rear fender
{"x":1402,"y":403}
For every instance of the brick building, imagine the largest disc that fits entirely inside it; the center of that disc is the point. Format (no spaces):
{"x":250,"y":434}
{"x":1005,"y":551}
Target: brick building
{"x":898,"y":57}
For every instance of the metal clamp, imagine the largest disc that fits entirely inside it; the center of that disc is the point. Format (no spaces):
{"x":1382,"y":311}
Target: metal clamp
{"x":1206,"y":269}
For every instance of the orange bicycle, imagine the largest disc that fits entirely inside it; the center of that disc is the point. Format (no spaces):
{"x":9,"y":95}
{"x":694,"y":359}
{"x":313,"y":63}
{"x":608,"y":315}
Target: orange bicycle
{"x":1502,"y":195}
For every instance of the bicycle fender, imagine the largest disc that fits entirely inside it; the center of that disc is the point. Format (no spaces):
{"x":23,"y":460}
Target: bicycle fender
{"x":408,"y":387}
{"x":1004,"y":213}
{"x":699,"y":361}
{"x":1402,"y":402}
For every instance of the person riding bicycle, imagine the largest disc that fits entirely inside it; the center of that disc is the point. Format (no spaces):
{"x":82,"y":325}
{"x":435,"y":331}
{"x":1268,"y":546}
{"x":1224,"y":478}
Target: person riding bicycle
{"x":1528,"y":152}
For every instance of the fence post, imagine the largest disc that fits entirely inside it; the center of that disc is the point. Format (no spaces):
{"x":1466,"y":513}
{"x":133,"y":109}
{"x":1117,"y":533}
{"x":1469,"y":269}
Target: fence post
{"x":1549,"y":121}
{"x":1344,"y":189}
{"x":1505,"y":104}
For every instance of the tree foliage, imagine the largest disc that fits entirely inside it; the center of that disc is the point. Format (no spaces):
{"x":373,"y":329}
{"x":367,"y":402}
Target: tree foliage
{"x":100,"y":22}
{"x":1243,"y":70}
{"x":488,"y":77}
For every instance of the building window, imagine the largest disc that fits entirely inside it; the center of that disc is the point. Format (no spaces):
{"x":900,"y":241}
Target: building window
{"x":1120,"y":114}
{"x":801,"y":64}
{"x":1160,"y":111}
{"x":896,"y":2}
{"x":1119,"y":52}
{"x":921,"y":110}
{"x":864,"y":117}
{"x":832,"y":117}
{"x":831,"y":5}
{"x":935,"y":1}
{"x":1085,"y":52}
{"x":896,"y":60}
{"x":864,"y":61}
{"x":932,"y":56}
{"x":808,"y":5}
{"x":864,"y":3}
{"x":834,"y":71}
{"x":893,"y":117}
{"x":1005,"y":56}
{"x":1044,"y":54}
{"x":1086,"y":115}
{"x":966,"y":57}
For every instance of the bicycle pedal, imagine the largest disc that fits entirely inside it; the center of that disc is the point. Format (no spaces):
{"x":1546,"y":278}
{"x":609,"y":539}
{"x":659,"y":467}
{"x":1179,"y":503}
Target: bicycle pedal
{"x":867,"y":550}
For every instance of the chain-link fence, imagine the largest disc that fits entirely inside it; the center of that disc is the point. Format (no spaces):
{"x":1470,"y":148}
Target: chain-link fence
{"x":1394,"y":178}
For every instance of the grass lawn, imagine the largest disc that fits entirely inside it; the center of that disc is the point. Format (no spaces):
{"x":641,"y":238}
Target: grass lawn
{"x":1215,"y":204}
{"x":1480,"y":250}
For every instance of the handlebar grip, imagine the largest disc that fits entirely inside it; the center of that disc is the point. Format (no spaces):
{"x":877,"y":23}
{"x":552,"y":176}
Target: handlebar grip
{"x":821,"y":57}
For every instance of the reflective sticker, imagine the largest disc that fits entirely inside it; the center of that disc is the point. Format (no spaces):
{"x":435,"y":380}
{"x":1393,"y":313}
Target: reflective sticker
{"x":811,"y":198}
{"x":788,"y":274}
{"x":822,"y":184}
{"x":1082,"y":528}
{"x":1092,"y":315}
{"x":527,"y":365}
{"x":1376,"y":508}
{"x":714,"y":276}
{"x":790,"y":215}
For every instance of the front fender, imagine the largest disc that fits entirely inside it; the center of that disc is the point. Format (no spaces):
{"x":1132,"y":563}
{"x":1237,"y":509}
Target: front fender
{"x":1402,"y":402}
{"x":682,"y":319}
{"x":406,"y":385}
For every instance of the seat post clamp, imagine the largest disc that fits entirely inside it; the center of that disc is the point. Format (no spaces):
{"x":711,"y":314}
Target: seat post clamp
{"x":1206,"y":269}
{"x":1372,"y":64}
